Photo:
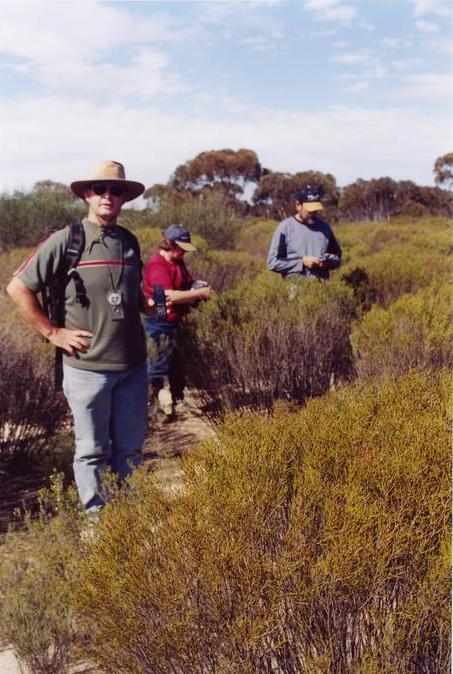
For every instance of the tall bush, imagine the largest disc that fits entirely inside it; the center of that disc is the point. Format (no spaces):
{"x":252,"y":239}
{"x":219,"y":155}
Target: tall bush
{"x":209,"y":215}
{"x":416,"y":331}
{"x":30,"y":407}
{"x":37,"y":568}
{"x":269,"y":339}
{"x":26,"y":217}
{"x":313,"y":542}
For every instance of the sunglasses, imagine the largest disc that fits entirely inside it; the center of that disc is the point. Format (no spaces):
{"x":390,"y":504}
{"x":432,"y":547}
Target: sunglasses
{"x":102,"y":188}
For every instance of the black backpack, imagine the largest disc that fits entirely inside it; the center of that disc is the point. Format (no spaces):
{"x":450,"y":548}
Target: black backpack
{"x":53,"y":294}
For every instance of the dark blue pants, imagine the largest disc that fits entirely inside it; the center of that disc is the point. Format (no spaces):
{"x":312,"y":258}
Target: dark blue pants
{"x":167,"y":361}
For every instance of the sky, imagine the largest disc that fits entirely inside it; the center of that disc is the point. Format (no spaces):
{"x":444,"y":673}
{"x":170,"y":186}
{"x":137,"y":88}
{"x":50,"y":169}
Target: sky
{"x":355,"y":88}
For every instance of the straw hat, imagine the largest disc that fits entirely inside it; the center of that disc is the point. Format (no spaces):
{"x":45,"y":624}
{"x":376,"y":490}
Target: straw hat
{"x":113,"y":172}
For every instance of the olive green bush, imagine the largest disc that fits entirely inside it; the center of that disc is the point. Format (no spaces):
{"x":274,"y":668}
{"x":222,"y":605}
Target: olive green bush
{"x":31,"y":409}
{"x":223,"y":269}
{"x":255,"y":237}
{"x":269,"y":339}
{"x":26,"y":217}
{"x":38,"y":564}
{"x":402,"y":269}
{"x":312,"y":542}
{"x":209,"y":216}
{"x":416,"y":331}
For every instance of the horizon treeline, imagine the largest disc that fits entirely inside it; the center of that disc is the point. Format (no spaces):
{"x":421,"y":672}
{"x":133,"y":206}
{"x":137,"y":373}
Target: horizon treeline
{"x":235,"y":185}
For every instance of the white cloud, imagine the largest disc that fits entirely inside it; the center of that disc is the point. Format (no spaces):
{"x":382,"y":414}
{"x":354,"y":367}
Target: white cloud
{"x":427,"y":26}
{"x":436,"y":7}
{"x":406,"y":64}
{"x":341,"y":44}
{"x":396,"y":42}
{"x":353,"y":58}
{"x":80,"y":57}
{"x":52,"y":138}
{"x":331,"y":10}
{"x":428,"y":87}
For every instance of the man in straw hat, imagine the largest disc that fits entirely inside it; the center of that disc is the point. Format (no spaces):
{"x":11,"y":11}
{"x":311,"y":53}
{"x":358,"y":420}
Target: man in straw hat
{"x":304,"y":245}
{"x":102,"y":339}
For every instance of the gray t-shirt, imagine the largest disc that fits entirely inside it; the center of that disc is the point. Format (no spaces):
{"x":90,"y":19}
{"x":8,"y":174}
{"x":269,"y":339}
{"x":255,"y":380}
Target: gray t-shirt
{"x":107,"y":263}
{"x":293,"y":240}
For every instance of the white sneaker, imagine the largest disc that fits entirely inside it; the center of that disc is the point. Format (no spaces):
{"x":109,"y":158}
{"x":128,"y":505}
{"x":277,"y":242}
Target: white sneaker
{"x":164,"y":399}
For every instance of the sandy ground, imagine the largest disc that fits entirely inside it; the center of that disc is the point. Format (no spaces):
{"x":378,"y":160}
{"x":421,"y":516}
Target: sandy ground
{"x":164,"y":447}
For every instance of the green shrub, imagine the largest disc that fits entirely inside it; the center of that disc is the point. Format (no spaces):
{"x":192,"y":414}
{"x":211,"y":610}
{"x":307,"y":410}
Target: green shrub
{"x":311,"y":542}
{"x":360,"y":240}
{"x":37,"y":568}
{"x":255,"y":237}
{"x":402,"y":269}
{"x":223,"y":269}
{"x":30,"y":407}
{"x":416,"y":331}
{"x":269,"y":339}
{"x":211,"y":217}
{"x":25,"y":218}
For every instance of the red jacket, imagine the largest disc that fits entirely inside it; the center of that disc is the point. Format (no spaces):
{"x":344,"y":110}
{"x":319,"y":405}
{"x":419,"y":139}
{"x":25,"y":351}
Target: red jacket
{"x":171,"y":275}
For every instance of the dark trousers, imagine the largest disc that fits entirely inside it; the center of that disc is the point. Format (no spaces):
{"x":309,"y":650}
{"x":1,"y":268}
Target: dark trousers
{"x":166,"y":361}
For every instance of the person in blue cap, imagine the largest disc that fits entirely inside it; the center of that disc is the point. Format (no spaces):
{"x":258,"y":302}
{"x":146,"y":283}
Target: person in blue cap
{"x":304,"y":244}
{"x":169,"y":283}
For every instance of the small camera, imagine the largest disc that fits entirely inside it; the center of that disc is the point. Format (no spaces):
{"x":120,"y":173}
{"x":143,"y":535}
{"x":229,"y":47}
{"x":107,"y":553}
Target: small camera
{"x":196,"y":285}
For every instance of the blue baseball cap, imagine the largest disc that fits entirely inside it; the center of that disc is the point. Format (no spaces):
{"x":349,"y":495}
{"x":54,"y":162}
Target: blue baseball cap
{"x":179,"y":235}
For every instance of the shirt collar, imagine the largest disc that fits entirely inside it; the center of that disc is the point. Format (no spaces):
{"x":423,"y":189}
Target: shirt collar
{"x":94,"y":234}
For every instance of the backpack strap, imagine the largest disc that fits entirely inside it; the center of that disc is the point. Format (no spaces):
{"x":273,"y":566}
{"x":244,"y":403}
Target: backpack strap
{"x":66,"y":272}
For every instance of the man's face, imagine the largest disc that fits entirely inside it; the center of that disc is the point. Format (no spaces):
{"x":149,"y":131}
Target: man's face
{"x":303,"y":213}
{"x":177,"y":253}
{"x":105,"y":200}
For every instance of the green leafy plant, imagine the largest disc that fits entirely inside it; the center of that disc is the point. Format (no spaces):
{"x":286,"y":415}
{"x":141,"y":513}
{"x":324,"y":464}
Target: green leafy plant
{"x":37,"y":568}
{"x":311,"y":542}
{"x":269,"y":339}
{"x":416,"y":331}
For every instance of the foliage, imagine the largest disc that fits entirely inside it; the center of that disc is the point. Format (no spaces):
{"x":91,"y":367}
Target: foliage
{"x":275,"y":195}
{"x":225,"y":172}
{"x":269,"y":339}
{"x":50,"y":188}
{"x":383,"y":198}
{"x":403,"y":269}
{"x":383,"y":261}
{"x":37,"y":568}
{"x":255,"y":236}
{"x":30,"y":407}
{"x":416,"y":331}
{"x":443,"y":170}
{"x":223,"y":269}
{"x":26,"y":217}
{"x":208,"y":215}
{"x":312,"y":542}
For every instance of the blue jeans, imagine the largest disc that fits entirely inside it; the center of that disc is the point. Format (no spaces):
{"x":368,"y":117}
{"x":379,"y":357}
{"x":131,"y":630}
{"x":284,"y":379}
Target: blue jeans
{"x":110,"y":424}
{"x":167,"y":361}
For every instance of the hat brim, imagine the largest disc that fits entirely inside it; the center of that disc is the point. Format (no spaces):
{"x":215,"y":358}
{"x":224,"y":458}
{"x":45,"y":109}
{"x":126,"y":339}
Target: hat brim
{"x":189,"y":247}
{"x":132,"y":188}
{"x":312,"y":206}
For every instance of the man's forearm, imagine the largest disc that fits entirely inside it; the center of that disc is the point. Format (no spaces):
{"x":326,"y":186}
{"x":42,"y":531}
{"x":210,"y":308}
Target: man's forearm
{"x":30,"y":308}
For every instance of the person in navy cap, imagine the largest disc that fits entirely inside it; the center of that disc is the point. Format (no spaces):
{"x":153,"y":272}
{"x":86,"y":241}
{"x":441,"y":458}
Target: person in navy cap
{"x":304,"y":244}
{"x":166,"y":274}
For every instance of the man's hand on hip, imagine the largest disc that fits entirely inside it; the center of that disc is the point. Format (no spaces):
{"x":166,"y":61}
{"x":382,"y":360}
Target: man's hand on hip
{"x":70,"y":341}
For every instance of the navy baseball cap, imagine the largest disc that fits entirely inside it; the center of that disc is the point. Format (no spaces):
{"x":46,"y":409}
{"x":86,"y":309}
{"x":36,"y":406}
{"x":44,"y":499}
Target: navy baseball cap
{"x":179,"y":235}
{"x":310,"y":196}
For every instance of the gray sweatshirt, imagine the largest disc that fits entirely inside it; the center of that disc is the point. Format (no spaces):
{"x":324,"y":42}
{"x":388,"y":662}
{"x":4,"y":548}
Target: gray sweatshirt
{"x":293,"y":240}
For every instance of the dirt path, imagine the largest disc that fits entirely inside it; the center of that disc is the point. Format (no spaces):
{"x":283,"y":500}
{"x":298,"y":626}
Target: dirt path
{"x":169,"y":441}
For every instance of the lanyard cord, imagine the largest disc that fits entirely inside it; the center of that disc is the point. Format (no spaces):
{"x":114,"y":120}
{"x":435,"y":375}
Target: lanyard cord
{"x":114,"y":285}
